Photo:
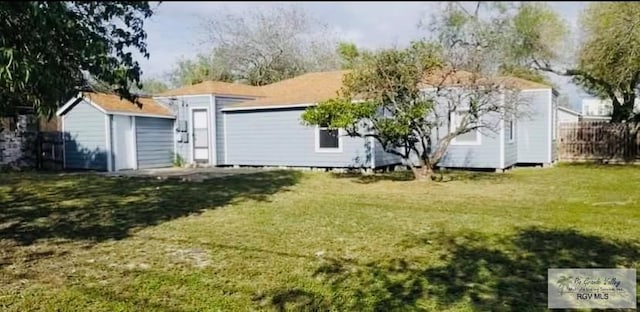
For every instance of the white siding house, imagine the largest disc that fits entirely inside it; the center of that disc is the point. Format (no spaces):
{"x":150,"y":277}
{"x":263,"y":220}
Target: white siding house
{"x":230,"y":124}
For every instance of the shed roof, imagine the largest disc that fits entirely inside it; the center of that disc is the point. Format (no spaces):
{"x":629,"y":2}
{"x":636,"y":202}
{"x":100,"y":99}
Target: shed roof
{"x":115,"y":104}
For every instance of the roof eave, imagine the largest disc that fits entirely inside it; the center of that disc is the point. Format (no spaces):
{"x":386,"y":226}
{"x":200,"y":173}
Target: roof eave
{"x":264,"y":107}
{"x":64,"y":108}
{"x":139,"y":114}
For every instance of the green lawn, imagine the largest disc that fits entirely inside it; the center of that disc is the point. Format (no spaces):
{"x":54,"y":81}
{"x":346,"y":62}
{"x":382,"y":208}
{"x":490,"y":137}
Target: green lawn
{"x":290,"y":240}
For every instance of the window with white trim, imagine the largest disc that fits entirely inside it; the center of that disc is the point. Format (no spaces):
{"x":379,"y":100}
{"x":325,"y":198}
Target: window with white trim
{"x":468,"y":138}
{"x":511,"y":129}
{"x":554,"y":120}
{"x":327,"y":139}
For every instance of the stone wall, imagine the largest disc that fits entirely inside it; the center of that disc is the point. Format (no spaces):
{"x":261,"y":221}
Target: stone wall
{"x":18,"y":141}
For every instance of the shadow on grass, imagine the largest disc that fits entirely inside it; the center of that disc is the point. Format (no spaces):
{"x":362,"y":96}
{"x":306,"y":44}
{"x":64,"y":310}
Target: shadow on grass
{"x":130,"y":299}
{"x":292,"y":300}
{"x":96,"y":208}
{"x":439,"y":176}
{"x":599,"y":165}
{"x":506,"y":273}
{"x":376,"y":177}
{"x":471,"y":175}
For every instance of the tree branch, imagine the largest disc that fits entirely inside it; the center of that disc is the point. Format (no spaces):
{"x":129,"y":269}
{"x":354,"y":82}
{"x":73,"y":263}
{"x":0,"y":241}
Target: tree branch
{"x":573,"y":72}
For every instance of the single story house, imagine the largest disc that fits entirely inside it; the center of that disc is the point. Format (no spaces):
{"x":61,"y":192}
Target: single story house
{"x":227,"y":124}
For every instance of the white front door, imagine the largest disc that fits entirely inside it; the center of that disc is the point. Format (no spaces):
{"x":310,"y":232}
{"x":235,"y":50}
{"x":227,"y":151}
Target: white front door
{"x":200,"y":132}
{"x":123,"y":142}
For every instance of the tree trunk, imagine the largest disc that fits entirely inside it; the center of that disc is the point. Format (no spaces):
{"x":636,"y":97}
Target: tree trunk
{"x":622,"y":111}
{"x":617,"y":115}
{"x":424,"y":172}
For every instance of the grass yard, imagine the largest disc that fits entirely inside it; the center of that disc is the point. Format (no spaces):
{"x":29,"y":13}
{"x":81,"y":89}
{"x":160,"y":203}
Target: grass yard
{"x":289,"y":240}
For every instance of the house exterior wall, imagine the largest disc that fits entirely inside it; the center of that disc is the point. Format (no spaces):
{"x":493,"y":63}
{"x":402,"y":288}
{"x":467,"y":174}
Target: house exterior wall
{"x":181,"y":106}
{"x":510,"y":146}
{"x":487,"y":154}
{"x":154,"y":142}
{"x":555,"y":126}
{"x":84,"y":132}
{"x":221,"y":103}
{"x":276,"y":137}
{"x":533,"y":129}
{"x":484,"y":155}
{"x":382,"y":158}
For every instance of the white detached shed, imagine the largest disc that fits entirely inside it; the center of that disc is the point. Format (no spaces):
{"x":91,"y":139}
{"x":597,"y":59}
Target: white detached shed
{"x":108,"y":133}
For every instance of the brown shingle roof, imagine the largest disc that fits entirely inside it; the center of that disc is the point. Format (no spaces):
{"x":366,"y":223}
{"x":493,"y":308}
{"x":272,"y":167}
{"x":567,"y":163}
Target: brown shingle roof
{"x":216,"y":87}
{"x":319,"y":86}
{"x":304,"y":89}
{"x":520,"y":83}
{"x":115,"y":104}
{"x":461,"y":77}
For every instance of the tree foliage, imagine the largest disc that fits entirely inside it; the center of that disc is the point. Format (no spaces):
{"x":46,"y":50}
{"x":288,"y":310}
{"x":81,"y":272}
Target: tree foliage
{"x":536,"y":33}
{"x":349,"y":54}
{"x":473,"y":34}
{"x":202,"y":68}
{"x":262,"y":46}
{"x":47,"y":49}
{"x":388,"y":83}
{"x":150,"y":87}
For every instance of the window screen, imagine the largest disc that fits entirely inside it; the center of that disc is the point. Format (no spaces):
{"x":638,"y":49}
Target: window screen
{"x":328,"y":138}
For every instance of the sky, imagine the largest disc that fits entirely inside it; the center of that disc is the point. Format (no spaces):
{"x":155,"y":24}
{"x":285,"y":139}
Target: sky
{"x":175,"y":31}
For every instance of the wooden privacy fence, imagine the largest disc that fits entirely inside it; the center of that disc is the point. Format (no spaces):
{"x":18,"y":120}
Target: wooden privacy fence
{"x":50,"y":150}
{"x":599,"y":141}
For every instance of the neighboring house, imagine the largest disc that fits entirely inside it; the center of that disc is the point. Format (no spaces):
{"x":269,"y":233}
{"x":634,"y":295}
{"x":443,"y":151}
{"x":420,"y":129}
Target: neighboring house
{"x":228,"y":124}
{"x":568,"y":115}
{"x":105,"y":132}
{"x":594,"y":109}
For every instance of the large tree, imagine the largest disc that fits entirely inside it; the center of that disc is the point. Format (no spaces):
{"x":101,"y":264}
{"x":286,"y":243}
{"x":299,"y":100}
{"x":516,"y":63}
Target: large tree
{"x":47,"y":49}
{"x":262,"y":46}
{"x":413,"y":103}
{"x":608,"y":58}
